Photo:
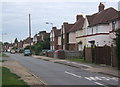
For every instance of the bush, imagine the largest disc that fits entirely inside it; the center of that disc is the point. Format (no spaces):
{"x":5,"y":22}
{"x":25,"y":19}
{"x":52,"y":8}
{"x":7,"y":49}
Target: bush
{"x":117,"y":40}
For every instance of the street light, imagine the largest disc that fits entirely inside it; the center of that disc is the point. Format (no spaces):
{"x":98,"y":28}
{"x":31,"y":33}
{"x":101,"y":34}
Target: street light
{"x":3,"y":36}
{"x":51,"y":32}
{"x":3,"y":39}
{"x":49,"y":23}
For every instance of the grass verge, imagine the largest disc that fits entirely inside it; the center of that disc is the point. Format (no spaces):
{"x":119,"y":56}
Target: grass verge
{"x":3,"y":55}
{"x":10,"y":79}
{"x":78,"y":60}
{"x":3,"y":60}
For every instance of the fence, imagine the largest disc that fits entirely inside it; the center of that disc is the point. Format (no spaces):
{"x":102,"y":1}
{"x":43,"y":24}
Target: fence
{"x":68,"y":54}
{"x":73,"y":54}
{"x":101,"y":55}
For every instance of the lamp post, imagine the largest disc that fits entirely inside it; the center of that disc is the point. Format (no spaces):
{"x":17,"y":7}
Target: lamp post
{"x":3,"y":36}
{"x":3,"y":39}
{"x":51,"y":32}
{"x":49,"y":23}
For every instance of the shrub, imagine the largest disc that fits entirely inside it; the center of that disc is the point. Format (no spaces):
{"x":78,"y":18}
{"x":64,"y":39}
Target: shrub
{"x":117,"y":40}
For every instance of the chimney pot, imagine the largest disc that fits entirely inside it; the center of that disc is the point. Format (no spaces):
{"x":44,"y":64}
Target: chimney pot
{"x":78,"y":17}
{"x":101,"y":7}
{"x":65,"y":23}
{"x":54,"y":28}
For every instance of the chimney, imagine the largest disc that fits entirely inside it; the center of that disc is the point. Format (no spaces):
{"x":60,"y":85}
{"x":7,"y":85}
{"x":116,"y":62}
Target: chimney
{"x":101,"y":7}
{"x":78,"y":17}
{"x":65,"y":23}
{"x":54,"y":28}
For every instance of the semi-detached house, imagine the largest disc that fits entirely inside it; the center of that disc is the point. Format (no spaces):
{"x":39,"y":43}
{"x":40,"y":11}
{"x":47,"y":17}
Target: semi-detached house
{"x":75,"y":31}
{"x":89,"y":30}
{"x":114,"y":25}
{"x":96,"y":28}
{"x":54,"y":38}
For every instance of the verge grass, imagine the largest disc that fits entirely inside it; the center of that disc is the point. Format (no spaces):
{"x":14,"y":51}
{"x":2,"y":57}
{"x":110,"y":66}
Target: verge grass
{"x":10,"y":79}
{"x":3,"y":55}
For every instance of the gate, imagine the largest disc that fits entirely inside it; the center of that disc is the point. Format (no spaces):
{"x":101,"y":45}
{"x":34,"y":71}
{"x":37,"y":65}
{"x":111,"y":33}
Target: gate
{"x":103,"y":55}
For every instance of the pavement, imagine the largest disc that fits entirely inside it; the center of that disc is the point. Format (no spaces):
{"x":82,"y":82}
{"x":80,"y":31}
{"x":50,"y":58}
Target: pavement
{"x":55,"y":74}
{"x":108,"y":70}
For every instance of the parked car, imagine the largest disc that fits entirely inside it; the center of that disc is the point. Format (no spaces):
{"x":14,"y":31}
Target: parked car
{"x":44,"y":51}
{"x":27,"y":52}
{"x":12,"y":51}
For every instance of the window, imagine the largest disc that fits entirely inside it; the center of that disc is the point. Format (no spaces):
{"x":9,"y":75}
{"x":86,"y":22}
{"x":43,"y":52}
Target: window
{"x":96,"y":29}
{"x":80,"y":47}
{"x":113,"y":25}
{"x":92,"y":30}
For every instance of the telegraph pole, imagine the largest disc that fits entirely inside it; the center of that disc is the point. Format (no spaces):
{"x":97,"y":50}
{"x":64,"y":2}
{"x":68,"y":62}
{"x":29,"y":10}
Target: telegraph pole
{"x":30,"y":30}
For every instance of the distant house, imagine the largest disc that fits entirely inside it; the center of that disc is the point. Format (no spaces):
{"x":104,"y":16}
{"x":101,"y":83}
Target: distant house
{"x":41,"y":36}
{"x":76,"y":31}
{"x":59,"y":43}
{"x":10,"y":46}
{"x":61,"y":36}
{"x":20,"y":44}
{"x":27,"y":42}
{"x":54,"y":38}
{"x":65,"y":36}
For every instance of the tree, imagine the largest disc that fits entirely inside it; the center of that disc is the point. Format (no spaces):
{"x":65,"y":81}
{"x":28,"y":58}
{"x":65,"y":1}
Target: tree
{"x":15,"y":40}
{"x":6,"y":43}
{"x":46,"y":43}
{"x":117,"y":40}
{"x":38,"y":47}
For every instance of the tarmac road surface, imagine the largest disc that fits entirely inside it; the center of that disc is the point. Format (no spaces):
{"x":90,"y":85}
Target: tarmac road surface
{"x":58,"y":74}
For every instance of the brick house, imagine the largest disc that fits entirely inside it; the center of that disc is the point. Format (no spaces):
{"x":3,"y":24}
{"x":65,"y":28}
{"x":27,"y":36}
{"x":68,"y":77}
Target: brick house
{"x":27,"y":42}
{"x":20,"y":44}
{"x":88,"y":30}
{"x":58,"y":37}
{"x":64,"y":38}
{"x":41,"y":36}
{"x":54,"y":38}
{"x":59,"y":43}
{"x":76,"y":30}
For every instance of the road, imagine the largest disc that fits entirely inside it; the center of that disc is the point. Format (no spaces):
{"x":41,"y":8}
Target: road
{"x":58,"y":74}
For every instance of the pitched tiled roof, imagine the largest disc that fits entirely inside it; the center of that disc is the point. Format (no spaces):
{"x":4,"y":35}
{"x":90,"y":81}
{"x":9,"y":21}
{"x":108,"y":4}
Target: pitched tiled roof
{"x":27,"y":40}
{"x":78,"y":25}
{"x":102,"y":17}
{"x":67,"y":27}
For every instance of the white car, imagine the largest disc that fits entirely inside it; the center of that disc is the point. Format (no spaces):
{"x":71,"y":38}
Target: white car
{"x":12,"y":51}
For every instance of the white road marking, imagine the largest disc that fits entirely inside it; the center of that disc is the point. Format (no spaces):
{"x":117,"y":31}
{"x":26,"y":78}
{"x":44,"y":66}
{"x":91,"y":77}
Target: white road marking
{"x":73,"y":74}
{"x":90,"y":78}
{"x":101,"y":78}
{"x":99,"y":83}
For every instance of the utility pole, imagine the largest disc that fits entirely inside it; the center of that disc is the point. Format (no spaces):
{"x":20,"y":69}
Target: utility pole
{"x":30,"y":31}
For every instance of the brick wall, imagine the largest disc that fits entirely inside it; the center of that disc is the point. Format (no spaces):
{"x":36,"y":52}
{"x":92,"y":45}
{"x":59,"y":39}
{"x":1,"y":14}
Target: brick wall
{"x":72,"y":47}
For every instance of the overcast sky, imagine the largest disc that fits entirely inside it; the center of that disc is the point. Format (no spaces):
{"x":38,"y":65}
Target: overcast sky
{"x":15,"y":15}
